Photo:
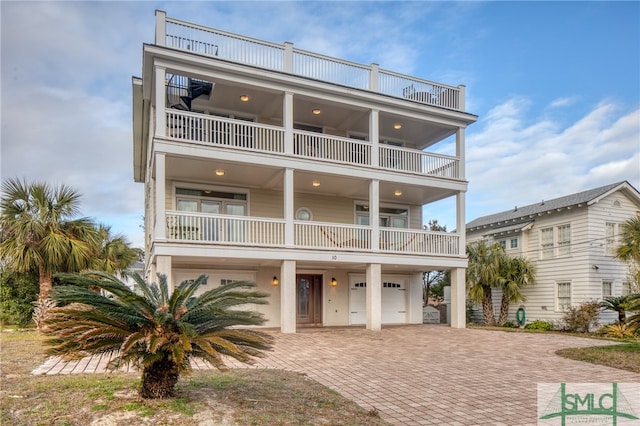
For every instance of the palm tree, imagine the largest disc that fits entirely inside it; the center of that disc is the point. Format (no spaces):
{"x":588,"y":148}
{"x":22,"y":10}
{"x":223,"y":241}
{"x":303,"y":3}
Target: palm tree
{"x":158,"y":332}
{"x":617,"y":304}
{"x":483,"y":273}
{"x":113,"y":253}
{"x":633,"y":305}
{"x":629,"y":248}
{"x":38,"y":231}
{"x":515,"y":273}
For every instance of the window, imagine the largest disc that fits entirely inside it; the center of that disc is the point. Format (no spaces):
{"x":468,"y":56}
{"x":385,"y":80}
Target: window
{"x":610,"y":229}
{"x":555,"y":241}
{"x":626,"y":289}
{"x":564,"y":296}
{"x":546,"y":243}
{"x":606,"y":288}
{"x":390,"y":217}
{"x":304,"y":213}
{"x":514,"y":243}
{"x":564,"y":240}
{"x":503,"y":244}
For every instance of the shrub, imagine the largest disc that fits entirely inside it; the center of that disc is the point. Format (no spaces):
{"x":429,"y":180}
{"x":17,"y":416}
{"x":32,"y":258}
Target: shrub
{"x":509,"y":324}
{"x":583,"y":317}
{"x":621,"y":331}
{"x":17,"y":294}
{"x":539,"y":325}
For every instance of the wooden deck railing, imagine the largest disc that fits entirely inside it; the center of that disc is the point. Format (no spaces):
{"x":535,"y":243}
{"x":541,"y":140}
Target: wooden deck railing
{"x":183,"y":35}
{"x":215,"y":229}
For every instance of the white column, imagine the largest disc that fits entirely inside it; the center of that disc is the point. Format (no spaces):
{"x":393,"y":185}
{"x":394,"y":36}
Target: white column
{"x":287,"y":122}
{"x":288,"y":208}
{"x":460,"y":150}
{"x":161,"y":20}
{"x":374,"y":136}
{"x":458,"y":300}
{"x":414,"y":293}
{"x":374,"y":86}
{"x":163,"y":266}
{"x":462,"y":97}
{"x":374,"y":297}
{"x":160,"y":216}
{"x":374,"y":213}
{"x":288,"y":57}
{"x":160,"y":96}
{"x":288,"y":296}
{"x":461,"y":226}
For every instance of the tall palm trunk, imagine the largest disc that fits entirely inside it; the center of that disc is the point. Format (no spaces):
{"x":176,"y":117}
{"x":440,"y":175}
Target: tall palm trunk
{"x":159,"y":379}
{"x":46,"y":283}
{"x":504,"y":310}
{"x":487,"y":308}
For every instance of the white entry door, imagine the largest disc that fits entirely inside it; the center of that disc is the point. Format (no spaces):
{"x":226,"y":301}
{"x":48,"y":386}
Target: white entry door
{"x":394,"y":301}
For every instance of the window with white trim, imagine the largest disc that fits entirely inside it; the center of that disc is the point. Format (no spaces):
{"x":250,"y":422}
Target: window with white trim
{"x":546,"y":243}
{"x":555,"y":241}
{"x":514,"y":243}
{"x":607,"y":287}
{"x":563,"y":300}
{"x":626,"y":289}
{"x":503,"y":244}
{"x":564,"y":240}
{"x":610,"y":239}
{"x":390,"y":217}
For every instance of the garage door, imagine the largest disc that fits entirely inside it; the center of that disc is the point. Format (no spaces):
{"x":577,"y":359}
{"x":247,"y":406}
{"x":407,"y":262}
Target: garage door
{"x":394,"y":302}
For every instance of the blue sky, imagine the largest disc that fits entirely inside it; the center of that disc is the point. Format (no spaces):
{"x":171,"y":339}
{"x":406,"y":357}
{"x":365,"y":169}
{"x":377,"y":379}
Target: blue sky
{"x":556,"y":87}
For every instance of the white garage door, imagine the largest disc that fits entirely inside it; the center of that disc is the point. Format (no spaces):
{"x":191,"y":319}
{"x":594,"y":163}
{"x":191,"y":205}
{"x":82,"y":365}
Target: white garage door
{"x":394,"y":302}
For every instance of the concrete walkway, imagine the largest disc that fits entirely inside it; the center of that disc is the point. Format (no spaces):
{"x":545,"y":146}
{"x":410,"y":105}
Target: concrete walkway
{"x":425,"y":374}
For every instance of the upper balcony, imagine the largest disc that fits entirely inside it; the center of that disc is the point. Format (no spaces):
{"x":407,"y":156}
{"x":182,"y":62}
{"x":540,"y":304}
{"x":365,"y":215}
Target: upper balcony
{"x":285,"y":58}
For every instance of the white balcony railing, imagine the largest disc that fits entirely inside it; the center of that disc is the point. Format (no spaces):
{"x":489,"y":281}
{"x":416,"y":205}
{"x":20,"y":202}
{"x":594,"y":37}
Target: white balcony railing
{"x":233,"y":47}
{"x":215,"y":229}
{"x":239,"y":134}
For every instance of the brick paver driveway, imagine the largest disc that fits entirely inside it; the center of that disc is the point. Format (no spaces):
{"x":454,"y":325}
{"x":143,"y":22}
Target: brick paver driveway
{"x":429,"y":374}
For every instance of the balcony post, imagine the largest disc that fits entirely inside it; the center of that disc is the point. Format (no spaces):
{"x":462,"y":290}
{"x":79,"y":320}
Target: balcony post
{"x":160,"y":89}
{"x":374,"y":214}
{"x":374,"y":78}
{"x":460,"y":150}
{"x":289,"y":240}
{"x":288,"y":57}
{"x":161,"y":27}
{"x":159,"y":199}
{"x":458,"y":305}
{"x":460,"y":223}
{"x":287,"y":122}
{"x":374,"y":296}
{"x":462,"y":94}
{"x":163,"y":266}
{"x":374,"y":136}
{"x":288,"y":296}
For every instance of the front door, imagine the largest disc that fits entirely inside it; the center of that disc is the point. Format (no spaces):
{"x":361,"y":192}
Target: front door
{"x":309,"y":299}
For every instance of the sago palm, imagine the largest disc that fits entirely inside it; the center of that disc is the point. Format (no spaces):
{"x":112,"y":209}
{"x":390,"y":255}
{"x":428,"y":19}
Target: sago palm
{"x":515,"y":273}
{"x":483,"y":273}
{"x":617,"y":304}
{"x":154,"y":330}
{"x":38,"y":231}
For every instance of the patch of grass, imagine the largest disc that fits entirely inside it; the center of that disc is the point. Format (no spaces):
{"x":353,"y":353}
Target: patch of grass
{"x":625,"y":356}
{"x":243,"y":396}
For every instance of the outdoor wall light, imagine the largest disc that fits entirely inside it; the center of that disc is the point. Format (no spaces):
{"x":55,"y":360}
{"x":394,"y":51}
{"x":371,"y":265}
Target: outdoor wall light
{"x":397,"y":126}
{"x":219,"y":172}
{"x":397,"y":193}
{"x":275,"y":281}
{"x":316,"y":111}
{"x":334,"y":282}
{"x":315,"y":183}
{"x":244,"y":98}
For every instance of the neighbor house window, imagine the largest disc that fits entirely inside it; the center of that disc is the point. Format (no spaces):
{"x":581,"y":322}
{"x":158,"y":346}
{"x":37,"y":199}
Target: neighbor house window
{"x":546,"y":243}
{"x":564,"y":296}
{"x":610,"y":230}
{"x":606,"y":288}
{"x":514,"y":243}
{"x":626,"y":289}
{"x":564,"y":240}
{"x":503,"y":244}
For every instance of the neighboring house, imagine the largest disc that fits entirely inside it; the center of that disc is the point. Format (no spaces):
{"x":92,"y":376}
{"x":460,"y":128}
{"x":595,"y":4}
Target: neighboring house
{"x":571,"y":240}
{"x":303,"y":173}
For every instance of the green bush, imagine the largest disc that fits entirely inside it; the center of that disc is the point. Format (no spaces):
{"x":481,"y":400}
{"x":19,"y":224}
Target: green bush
{"x":17,"y":294}
{"x":539,"y":325}
{"x":509,"y":324}
{"x":583,"y":317}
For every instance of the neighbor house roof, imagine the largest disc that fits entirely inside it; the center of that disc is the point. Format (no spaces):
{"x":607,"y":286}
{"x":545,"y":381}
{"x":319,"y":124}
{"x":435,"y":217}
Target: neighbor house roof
{"x":519,"y":217}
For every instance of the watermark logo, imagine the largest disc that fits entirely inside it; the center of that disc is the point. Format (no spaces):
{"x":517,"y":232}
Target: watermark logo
{"x":588,"y":403}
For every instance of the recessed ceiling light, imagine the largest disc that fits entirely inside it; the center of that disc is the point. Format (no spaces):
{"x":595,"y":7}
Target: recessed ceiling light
{"x":398,"y":193}
{"x":316,"y":183}
{"x":316,"y":111}
{"x":244,"y":98}
{"x":219,"y":172}
{"x":397,"y":126}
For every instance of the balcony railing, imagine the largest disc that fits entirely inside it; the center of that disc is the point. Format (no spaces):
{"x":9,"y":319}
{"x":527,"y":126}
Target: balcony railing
{"x":214,"y":229}
{"x":245,"y":50}
{"x":239,"y":134}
